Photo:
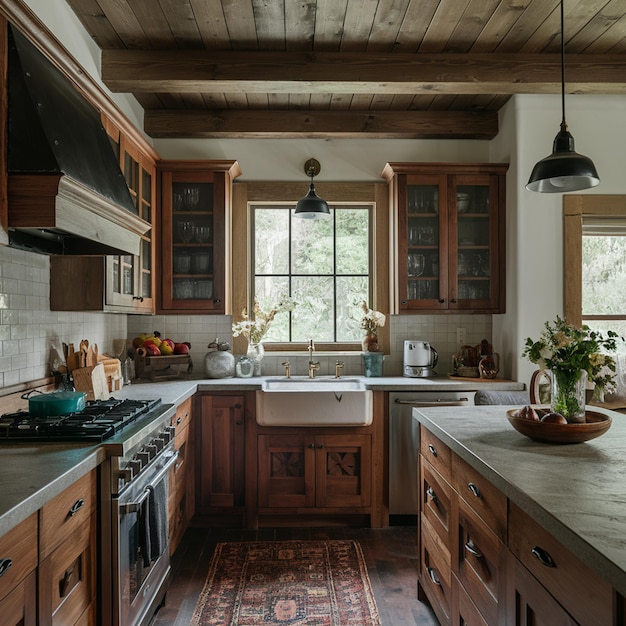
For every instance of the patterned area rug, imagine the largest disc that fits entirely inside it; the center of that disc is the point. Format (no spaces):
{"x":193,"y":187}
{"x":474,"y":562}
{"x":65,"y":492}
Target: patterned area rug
{"x":320,"y":583}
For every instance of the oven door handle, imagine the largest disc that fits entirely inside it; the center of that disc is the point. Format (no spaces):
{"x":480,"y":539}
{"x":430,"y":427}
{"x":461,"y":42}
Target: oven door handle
{"x":425,"y":403}
{"x":133,"y":507}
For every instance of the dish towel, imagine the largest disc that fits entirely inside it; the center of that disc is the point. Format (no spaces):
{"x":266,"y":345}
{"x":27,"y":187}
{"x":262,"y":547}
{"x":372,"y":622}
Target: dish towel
{"x":157,"y":520}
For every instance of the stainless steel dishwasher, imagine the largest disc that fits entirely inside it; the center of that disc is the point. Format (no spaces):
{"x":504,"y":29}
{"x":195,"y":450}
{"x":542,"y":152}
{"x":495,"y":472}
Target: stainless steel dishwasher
{"x":404,"y":443}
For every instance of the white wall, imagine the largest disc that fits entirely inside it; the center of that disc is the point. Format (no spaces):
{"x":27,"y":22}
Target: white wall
{"x":535,"y":230}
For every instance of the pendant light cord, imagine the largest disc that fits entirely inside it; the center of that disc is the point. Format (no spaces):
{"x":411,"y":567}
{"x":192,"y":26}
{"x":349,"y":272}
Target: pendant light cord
{"x":563,"y":122}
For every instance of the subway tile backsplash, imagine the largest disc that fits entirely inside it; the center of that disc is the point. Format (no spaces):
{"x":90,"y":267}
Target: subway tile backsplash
{"x":28,"y":329}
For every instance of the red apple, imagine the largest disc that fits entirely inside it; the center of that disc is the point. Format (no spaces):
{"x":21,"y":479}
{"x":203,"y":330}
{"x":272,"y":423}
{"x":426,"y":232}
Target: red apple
{"x":553,"y":418}
{"x":169,"y":342}
{"x":181,"y":348}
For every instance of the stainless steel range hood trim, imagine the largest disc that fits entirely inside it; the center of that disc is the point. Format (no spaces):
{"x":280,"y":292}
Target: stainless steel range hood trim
{"x":74,"y":210}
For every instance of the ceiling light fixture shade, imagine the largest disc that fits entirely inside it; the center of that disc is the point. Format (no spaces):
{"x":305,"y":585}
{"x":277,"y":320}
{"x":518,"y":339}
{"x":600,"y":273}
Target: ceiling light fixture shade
{"x":564,"y":170}
{"x":312,"y":207}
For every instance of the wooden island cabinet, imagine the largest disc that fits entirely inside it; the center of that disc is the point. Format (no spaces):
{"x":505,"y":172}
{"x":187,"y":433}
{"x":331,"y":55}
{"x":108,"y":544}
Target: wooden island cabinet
{"x":484,"y":561}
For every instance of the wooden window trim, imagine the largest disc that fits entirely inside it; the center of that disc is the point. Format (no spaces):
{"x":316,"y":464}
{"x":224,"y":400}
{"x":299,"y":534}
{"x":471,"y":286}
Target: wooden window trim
{"x":575,"y":208}
{"x":245,"y":194}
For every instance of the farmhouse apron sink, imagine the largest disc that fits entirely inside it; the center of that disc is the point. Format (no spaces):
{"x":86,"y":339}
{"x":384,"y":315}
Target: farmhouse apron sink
{"x":313,"y":402}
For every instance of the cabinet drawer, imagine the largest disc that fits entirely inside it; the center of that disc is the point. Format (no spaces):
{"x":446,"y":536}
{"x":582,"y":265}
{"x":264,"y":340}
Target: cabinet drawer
{"x":481,"y":564}
{"x":60,"y":517}
{"x":18,"y":553}
{"x":67,"y":578}
{"x":182,"y":417}
{"x":18,"y":608}
{"x":588,"y":598}
{"x":485,"y":499}
{"x":436,"y":501}
{"x":463,"y":609}
{"x":435,"y":575}
{"x":435,"y":452}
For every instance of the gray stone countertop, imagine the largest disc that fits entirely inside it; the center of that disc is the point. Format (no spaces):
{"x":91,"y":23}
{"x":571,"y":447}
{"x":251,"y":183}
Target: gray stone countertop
{"x":576,"y":492}
{"x":33,"y":474}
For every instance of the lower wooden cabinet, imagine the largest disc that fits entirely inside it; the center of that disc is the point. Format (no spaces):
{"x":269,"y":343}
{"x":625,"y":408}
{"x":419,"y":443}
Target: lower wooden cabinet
{"x":220,"y":448}
{"x":68,"y":556}
{"x":67,"y":580}
{"x":313,"y":470}
{"x":181,"y":504}
{"x":18,"y":583}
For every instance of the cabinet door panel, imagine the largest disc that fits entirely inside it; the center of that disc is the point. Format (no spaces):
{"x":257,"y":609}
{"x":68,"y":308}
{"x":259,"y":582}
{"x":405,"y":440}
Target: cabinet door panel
{"x":286,"y":471}
{"x":343,"y":466}
{"x":221,"y":451}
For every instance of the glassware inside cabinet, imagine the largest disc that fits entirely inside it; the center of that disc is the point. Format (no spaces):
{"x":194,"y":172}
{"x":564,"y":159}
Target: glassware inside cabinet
{"x":422,"y":242}
{"x":473,"y":233}
{"x":192,"y":240}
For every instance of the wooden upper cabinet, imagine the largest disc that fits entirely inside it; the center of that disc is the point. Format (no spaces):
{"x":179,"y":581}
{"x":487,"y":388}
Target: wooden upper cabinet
{"x":118,"y":283}
{"x":195,"y":216}
{"x":449,"y":251}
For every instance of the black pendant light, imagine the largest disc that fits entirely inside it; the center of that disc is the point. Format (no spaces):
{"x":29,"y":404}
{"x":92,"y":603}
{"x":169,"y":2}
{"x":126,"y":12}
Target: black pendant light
{"x":312,"y":207}
{"x":564,"y":170}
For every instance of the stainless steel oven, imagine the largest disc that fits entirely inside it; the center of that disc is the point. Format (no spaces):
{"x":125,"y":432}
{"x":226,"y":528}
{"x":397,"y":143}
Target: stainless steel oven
{"x":141,"y":542}
{"x":134,"y":499}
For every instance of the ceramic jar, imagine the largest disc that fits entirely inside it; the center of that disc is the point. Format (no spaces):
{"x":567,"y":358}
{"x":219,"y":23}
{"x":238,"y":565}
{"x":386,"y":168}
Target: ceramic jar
{"x":218,"y":361}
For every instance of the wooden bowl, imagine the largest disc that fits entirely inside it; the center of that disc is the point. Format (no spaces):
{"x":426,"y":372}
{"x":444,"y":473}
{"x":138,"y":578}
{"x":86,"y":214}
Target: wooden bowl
{"x":597,"y":424}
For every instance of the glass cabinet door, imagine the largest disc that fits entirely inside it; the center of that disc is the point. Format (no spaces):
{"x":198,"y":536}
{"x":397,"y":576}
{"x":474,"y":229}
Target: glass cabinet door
{"x":423,"y":242}
{"x":472,"y":239}
{"x":192,"y":241}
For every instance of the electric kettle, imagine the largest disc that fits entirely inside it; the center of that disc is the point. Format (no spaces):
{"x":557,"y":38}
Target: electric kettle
{"x":420,"y":359}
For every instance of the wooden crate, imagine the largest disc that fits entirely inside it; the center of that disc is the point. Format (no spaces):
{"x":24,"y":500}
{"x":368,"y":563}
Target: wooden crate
{"x":163,"y":367}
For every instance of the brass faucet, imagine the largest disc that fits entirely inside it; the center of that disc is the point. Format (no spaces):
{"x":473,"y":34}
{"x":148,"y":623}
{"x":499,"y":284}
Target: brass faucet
{"x":313,"y":365}
{"x":287,"y":367}
{"x":338,"y":368}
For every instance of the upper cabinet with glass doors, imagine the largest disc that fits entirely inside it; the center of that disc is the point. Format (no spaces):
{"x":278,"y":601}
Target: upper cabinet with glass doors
{"x":195,"y":235}
{"x":449,"y":236}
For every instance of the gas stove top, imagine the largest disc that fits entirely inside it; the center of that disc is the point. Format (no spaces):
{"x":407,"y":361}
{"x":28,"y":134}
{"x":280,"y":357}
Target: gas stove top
{"x":99,"y":420}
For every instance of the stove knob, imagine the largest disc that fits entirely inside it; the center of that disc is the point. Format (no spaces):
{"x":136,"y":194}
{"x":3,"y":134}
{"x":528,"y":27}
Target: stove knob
{"x":151,"y":449}
{"x":158,"y":443}
{"x":135,"y":466}
{"x":143,"y":456}
{"x":165,"y":436}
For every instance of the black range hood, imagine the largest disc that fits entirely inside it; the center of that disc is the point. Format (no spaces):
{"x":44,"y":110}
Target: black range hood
{"x":67,"y":194}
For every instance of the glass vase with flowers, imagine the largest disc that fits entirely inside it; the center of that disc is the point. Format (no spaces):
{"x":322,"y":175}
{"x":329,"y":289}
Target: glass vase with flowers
{"x":573,"y":356}
{"x":370,"y":322}
{"x":255,"y":327}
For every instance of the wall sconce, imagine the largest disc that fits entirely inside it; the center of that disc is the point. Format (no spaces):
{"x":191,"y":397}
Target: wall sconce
{"x":312,"y":207}
{"x":564,"y":170}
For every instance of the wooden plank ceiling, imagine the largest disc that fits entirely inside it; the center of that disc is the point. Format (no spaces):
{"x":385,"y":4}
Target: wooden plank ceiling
{"x":349,"y":68}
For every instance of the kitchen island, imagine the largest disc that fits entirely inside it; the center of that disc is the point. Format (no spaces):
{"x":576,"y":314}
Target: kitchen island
{"x":577,"y":493}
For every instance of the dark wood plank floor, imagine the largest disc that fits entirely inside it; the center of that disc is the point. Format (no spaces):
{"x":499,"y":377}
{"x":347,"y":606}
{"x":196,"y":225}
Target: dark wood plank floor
{"x":390,"y":554}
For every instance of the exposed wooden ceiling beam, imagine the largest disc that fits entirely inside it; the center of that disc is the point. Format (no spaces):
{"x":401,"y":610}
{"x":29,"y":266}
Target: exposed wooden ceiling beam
{"x":321,"y":124}
{"x":201,"y":71}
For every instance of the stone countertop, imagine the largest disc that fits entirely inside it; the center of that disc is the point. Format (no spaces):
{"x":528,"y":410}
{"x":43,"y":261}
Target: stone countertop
{"x":175,"y":391}
{"x":32,"y":474}
{"x":576,"y":492}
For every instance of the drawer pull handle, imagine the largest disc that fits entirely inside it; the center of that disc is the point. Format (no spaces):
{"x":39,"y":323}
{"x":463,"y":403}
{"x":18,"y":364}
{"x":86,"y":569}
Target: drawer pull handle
{"x":474,"y":489}
{"x":179,"y":419}
{"x":543,"y":556}
{"x":77,"y":506}
{"x":431,"y":494}
{"x":5,"y":564}
{"x":432,"y":449}
{"x":433,"y":575}
{"x":469,"y":546}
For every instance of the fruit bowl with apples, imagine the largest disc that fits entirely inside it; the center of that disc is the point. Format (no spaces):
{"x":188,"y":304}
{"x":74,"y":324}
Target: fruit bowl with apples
{"x":541,"y":424}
